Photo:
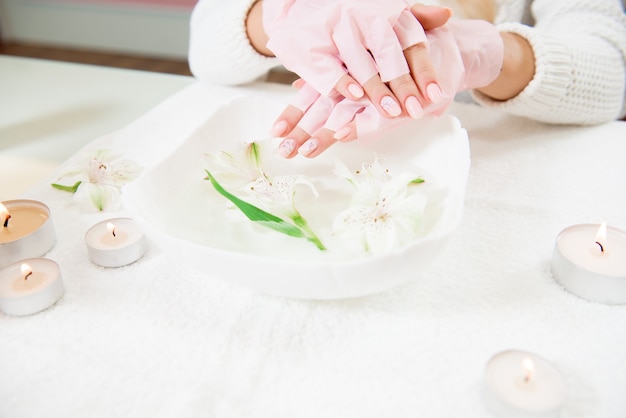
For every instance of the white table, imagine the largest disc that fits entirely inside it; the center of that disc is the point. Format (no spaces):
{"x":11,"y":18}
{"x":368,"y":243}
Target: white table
{"x":158,"y":339}
{"x":49,"y":110}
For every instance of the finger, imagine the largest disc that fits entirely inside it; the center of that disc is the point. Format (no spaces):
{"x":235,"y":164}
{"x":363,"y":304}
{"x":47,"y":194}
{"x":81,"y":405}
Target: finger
{"x":347,"y":133}
{"x":408,"y":30}
{"x":287,"y":120}
{"x":317,"y":115}
{"x":406,"y":91}
{"x":318,"y":143}
{"x":382,"y":98}
{"x":289,"y":146}
{"x":350,"y":88}
{"x":343,"y":113}
{"x":292,"y":114}
{"x":298,"y":83}
{"x":431,"y":16}
{"x":384,"y":45}
{"x":423,"y":73}
{"x":357,"y":59}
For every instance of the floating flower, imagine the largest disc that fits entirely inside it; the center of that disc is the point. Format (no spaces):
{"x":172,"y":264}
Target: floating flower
{"x":99,"y":176}
{"x":277,"y":193}
{"x":243,"y":165}
{"x":384,"y":214}
{"x":274,"y":194}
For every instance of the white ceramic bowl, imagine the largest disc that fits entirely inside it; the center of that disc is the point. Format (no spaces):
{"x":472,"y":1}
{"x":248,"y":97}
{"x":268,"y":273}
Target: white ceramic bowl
{"x":183,"y":215}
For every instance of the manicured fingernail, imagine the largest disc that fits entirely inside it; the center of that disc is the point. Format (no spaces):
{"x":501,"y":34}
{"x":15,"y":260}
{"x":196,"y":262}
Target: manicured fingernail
{"x":279,"y":128}
{"x":433,"y":92}
{"x":286,"y":148}
{"x":390,"y":106}
{"x":342,"y":133}
{"x":356,"y":90}
{"x":413,"y":107}
{"x":308,"y":147}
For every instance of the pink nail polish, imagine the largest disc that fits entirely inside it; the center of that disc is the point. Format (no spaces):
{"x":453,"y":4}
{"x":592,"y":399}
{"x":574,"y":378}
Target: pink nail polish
{"x":433,"y":92}
{"x":308,"y":147}
{"x":279,"y":128}
{"x":286,"y":148}
{"x":413,"y":107}
{"x":356,"y":90}
{"x":390,"y":106}
{"x":342,"y":133}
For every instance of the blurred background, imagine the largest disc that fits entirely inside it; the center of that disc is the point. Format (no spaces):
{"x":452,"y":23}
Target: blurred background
{"x":151,"y":35}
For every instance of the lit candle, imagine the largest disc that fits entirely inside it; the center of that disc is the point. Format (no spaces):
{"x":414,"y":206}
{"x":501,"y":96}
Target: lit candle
{"x":26,"y":230}
{"x":30,"y":286}
{"x":115,"y":242}
{"x":590,"y":261}
{"x":519,"y":384}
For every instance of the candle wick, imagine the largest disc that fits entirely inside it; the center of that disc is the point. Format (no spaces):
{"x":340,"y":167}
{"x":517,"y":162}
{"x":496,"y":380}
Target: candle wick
{"x":601,"y":246}
{"x":28,"y":275}
{"x":6,"y":221}
{"x":113,"y":232}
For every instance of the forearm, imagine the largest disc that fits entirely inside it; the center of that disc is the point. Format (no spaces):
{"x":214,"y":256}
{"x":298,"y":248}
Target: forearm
{"x":518,"y":69}
{"x":254,"y":28}
{"x":220,"y":50}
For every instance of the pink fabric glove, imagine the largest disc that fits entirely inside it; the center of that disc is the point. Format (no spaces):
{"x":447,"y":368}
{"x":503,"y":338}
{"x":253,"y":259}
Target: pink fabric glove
{"x":321,"y":40}
{"x":467,"y":54}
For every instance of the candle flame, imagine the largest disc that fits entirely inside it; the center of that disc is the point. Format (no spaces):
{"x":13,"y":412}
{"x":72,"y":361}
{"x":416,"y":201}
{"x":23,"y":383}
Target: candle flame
{"x":601,"y":236}
{"x":26,"y":271}
{"x":529,"y":369}
{"x":4,"y":215}
{"x":111,"y":228}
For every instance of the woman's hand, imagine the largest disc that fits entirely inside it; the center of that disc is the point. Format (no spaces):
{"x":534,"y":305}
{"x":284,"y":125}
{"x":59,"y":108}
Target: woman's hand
{"x":415,"y":91}
{"x":467,"y":54}
{"x":357,"y":49}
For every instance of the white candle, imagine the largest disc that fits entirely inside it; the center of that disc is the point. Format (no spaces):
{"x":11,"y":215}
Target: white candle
{"x":26,"y":230}
{"x":30,"y":286}
{"x":115,"y":242}
{"x":589,"y":261}
{"x":520,"y":384}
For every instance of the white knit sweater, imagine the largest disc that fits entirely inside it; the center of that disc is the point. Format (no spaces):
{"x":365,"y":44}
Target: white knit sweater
{"x":579,"y":47}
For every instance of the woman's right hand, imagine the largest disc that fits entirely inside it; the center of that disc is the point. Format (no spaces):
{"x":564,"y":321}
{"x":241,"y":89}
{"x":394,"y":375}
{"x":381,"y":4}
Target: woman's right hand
{"x":467,"y":53}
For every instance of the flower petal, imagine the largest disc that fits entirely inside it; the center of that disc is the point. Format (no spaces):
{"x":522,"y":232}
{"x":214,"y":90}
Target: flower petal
{"x":90,"y":197}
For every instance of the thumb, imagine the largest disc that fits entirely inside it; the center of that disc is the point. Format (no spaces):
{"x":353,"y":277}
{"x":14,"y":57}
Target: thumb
{"x":431,"y":17}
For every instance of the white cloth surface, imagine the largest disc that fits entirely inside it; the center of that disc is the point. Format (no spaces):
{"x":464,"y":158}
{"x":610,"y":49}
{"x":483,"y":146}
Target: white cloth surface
{"x":157,"y":339}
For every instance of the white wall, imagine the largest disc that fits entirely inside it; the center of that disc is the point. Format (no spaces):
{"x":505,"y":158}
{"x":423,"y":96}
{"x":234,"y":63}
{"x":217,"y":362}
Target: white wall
{"x":126,"y":27}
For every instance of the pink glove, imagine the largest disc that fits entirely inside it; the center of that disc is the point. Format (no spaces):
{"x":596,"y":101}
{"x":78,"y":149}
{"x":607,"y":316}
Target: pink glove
{"x":321,"y":40}
{"x":467,"y":54}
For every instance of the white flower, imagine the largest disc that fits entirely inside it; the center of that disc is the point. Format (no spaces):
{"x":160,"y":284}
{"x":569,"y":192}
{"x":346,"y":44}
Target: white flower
{"x":277,"y":194}
{"x":241,"y":166}
{"x":101,"y":174}
{"x":384,"y":214}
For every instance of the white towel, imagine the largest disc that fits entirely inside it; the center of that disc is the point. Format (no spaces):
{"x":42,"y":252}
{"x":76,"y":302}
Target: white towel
{"x":158,"y":339}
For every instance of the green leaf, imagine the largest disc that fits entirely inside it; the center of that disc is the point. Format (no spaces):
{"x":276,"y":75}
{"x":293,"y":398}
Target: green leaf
{"x":71,"y":189}
{"x":256,"y":214}
{"x":418,"y":180}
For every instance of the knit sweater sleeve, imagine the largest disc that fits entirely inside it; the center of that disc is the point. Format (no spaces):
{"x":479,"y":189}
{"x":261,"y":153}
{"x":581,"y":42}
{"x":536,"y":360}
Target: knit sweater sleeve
{"x":580,"y":63}
{"x":219,"y":49}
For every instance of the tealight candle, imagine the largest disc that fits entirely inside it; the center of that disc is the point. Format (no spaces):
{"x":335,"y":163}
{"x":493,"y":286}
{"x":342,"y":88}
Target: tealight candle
{"x":115,"y":242}
{"x":590,"y":261}
{"x":30,"y":286}
{"x":26,"y":230}
{"x":519,"y":384}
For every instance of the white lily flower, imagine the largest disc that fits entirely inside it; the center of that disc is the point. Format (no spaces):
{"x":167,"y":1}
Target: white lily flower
{"x":384,"y":213}
{"x":276,"y":194}
{"x":241,"y":166}
{"x":101,"y":174}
